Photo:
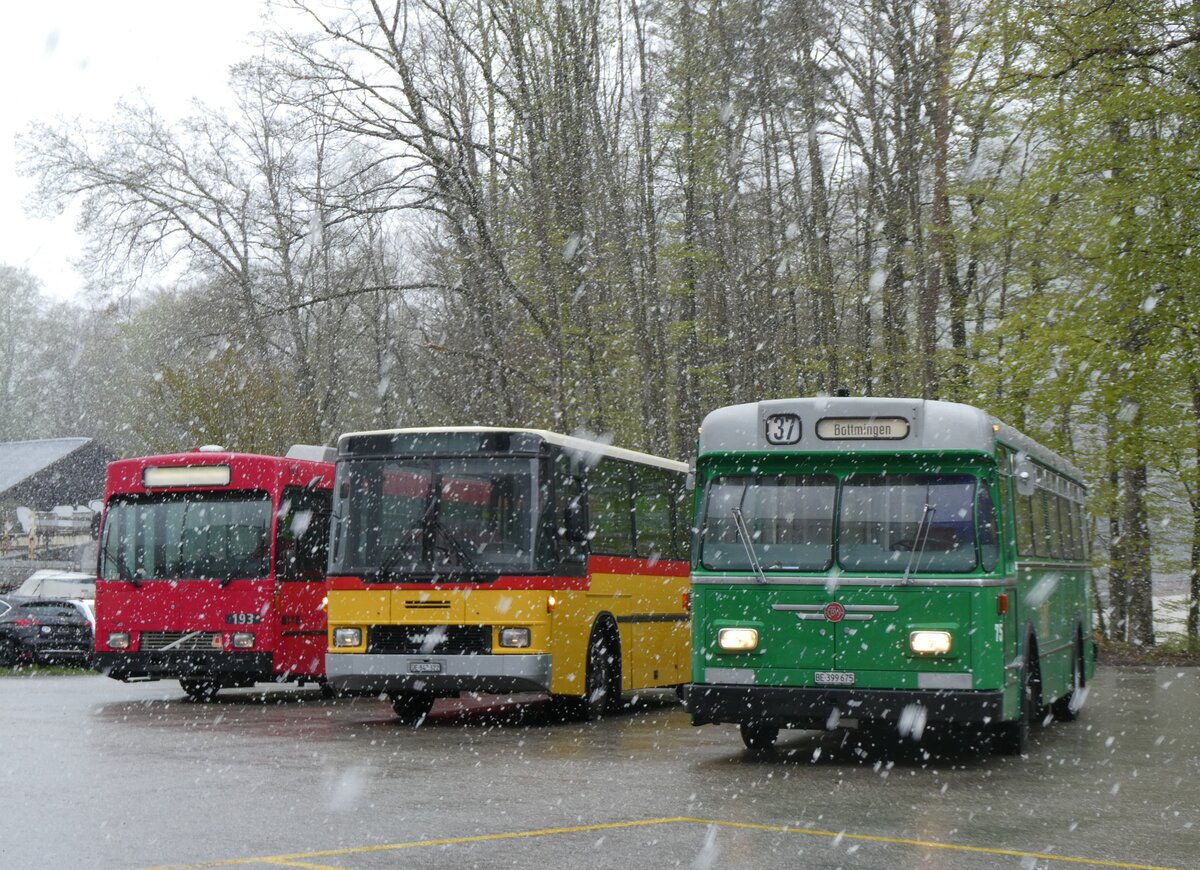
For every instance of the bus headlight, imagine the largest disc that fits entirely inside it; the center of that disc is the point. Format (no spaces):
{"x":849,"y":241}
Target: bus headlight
{"x":118,"y":640}
{"x":241,"y":640}
{"x":929,"y":643}
{"x":347,"y":637}
{"x":737,"y":639}
{"x":514,"y":637}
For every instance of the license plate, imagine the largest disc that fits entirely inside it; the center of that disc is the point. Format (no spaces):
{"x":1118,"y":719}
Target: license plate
{"x":424,"y":667}
{"x":834,"y":678}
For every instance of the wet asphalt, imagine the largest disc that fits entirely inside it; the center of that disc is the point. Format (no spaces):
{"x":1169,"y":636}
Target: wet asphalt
{"x":99,"y":774}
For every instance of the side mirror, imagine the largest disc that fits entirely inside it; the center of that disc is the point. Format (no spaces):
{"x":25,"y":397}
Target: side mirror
{"x":573,"y":522}
{"x":1026,"y":476}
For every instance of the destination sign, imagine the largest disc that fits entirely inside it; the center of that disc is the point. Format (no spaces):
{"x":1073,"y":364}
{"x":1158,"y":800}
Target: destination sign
{"x":186,"y":475}
{"x":862,"y":428}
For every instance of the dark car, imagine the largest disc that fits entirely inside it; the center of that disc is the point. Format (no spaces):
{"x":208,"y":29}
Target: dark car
{"x":43,"y":631}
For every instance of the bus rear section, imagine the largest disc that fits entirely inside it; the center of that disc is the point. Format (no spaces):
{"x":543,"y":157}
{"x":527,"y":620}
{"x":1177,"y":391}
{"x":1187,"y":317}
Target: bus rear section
{"x":505,"y":562}
{"x":212,"y":568}
{"x":857,"y":564}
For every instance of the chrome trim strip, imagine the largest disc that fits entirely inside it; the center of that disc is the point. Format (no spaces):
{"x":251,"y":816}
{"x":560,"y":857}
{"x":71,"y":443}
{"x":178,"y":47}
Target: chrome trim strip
{"x":874,"y":608}
{"x":926,"y":680}
{"x":384,"y":672}
{"x":791,"y":607}
{"x":1065,"y":565}
{"x":857,"y":617}
{"x":845,"y":582}
{"x":816,"y":616}
{"x":737,"y":676}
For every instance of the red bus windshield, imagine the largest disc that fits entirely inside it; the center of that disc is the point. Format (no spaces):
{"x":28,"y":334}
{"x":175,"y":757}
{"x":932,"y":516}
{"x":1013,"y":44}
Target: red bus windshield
{"x":187,"y":536}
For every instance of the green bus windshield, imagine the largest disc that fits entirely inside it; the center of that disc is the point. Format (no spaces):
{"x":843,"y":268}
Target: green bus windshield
{"x":892,"y":523}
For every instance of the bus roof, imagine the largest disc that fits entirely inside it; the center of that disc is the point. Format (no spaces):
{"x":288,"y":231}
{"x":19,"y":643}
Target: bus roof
{"x":865,"y":425}
{"x":128,"y":475}
{"x":583,"y":446}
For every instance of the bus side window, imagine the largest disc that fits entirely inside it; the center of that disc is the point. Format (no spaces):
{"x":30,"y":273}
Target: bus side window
{"x":302,"y":534}
{"x":652,"y":511}
{"x":1023,"y":517}
{"x":568,"y":516}
{"x":989,"y":539}
{"x":681,"y":518}
{"x":610,"y":508}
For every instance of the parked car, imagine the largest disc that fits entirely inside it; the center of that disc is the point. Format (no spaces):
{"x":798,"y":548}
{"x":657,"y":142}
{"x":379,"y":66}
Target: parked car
{"x":43,"y":631}
{"x":58,"y":584}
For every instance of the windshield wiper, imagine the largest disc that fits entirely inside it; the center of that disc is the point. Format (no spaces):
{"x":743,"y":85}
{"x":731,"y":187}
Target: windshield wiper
{"x":122,"y":572}
{"x":453,"y":545}
{"x":919,"y":542}
{"x":392,"y":555}
{"x":739,"y":523}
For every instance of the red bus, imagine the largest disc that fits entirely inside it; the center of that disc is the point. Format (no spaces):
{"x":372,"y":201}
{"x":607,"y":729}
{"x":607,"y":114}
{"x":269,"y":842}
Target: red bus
{"x":212,"y":568}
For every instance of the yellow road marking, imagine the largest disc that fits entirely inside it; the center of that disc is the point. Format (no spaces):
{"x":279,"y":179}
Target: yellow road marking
{"x":929,"y":844}
{"x":297,"y":859}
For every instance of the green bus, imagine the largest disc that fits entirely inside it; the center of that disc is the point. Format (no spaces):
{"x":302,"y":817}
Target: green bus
{"x":885,"y":562}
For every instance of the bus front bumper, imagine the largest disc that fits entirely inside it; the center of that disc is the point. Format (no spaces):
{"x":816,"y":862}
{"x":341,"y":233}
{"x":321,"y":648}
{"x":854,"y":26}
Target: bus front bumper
{"x":360,"y":673}
{"x":819,"y":707}
{"x":243,"y":667}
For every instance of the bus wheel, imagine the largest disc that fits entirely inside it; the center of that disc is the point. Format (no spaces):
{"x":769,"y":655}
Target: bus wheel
{"x":411,"y":708}
{"x":1012,"y":738}
{"x":602,"y":691}
{"x":200,"y":691}
{"x":327,"y":690}
{"x":759,"y":736}
{"x":1066,"y":707}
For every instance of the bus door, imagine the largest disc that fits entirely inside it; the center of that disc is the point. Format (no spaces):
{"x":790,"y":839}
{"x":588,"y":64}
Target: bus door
{"x":906,"y":527}
{"x":301,"y":552}
{"x":789,"y":520}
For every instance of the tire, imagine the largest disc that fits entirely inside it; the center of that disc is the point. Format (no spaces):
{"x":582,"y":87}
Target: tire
{"x":1066,"y":708}
{"x":602,"y":687}
{"x":202,"y":691}
{"x":327,"y":691}
{"x":759,"y":736}
{"x":411,"y":708}
{"x":1012,"y":738}
{"x":10,"y":653}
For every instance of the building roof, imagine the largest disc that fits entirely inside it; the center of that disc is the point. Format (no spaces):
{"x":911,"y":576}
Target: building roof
{"x":52,"y":471}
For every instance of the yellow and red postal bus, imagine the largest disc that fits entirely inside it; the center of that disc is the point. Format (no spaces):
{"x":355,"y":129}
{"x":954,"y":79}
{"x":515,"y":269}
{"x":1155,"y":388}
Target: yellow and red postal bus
{"x":501,"y":561}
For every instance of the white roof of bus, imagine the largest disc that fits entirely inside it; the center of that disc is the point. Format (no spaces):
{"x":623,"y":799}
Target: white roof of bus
{"x":579,"y":445}
{"x":934,"y":425}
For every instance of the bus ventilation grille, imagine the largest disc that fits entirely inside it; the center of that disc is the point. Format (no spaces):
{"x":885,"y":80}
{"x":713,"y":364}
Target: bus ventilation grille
{"x":179,"y":640}
{"x":447,"y":640}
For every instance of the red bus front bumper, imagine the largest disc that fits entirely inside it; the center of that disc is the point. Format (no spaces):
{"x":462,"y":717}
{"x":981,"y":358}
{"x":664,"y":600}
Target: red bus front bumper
{"x":242,"y":667}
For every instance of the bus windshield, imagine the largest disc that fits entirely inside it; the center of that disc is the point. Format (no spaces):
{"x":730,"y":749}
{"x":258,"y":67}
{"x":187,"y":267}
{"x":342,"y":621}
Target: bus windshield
{"x":188,"y":536}
{"x":884,"y":523}
{"x":789,"y":518}
{"x":897,"y":522}
{"x":433,"y":516}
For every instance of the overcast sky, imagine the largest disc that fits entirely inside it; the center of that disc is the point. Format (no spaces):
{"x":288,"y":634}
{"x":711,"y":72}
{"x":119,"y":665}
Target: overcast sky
{"x":77,"y":58}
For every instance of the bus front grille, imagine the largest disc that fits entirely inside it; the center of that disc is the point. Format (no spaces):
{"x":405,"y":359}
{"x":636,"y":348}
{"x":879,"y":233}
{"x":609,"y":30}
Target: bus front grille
{"x":180,"y":640}
{"x":430,"y":639}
